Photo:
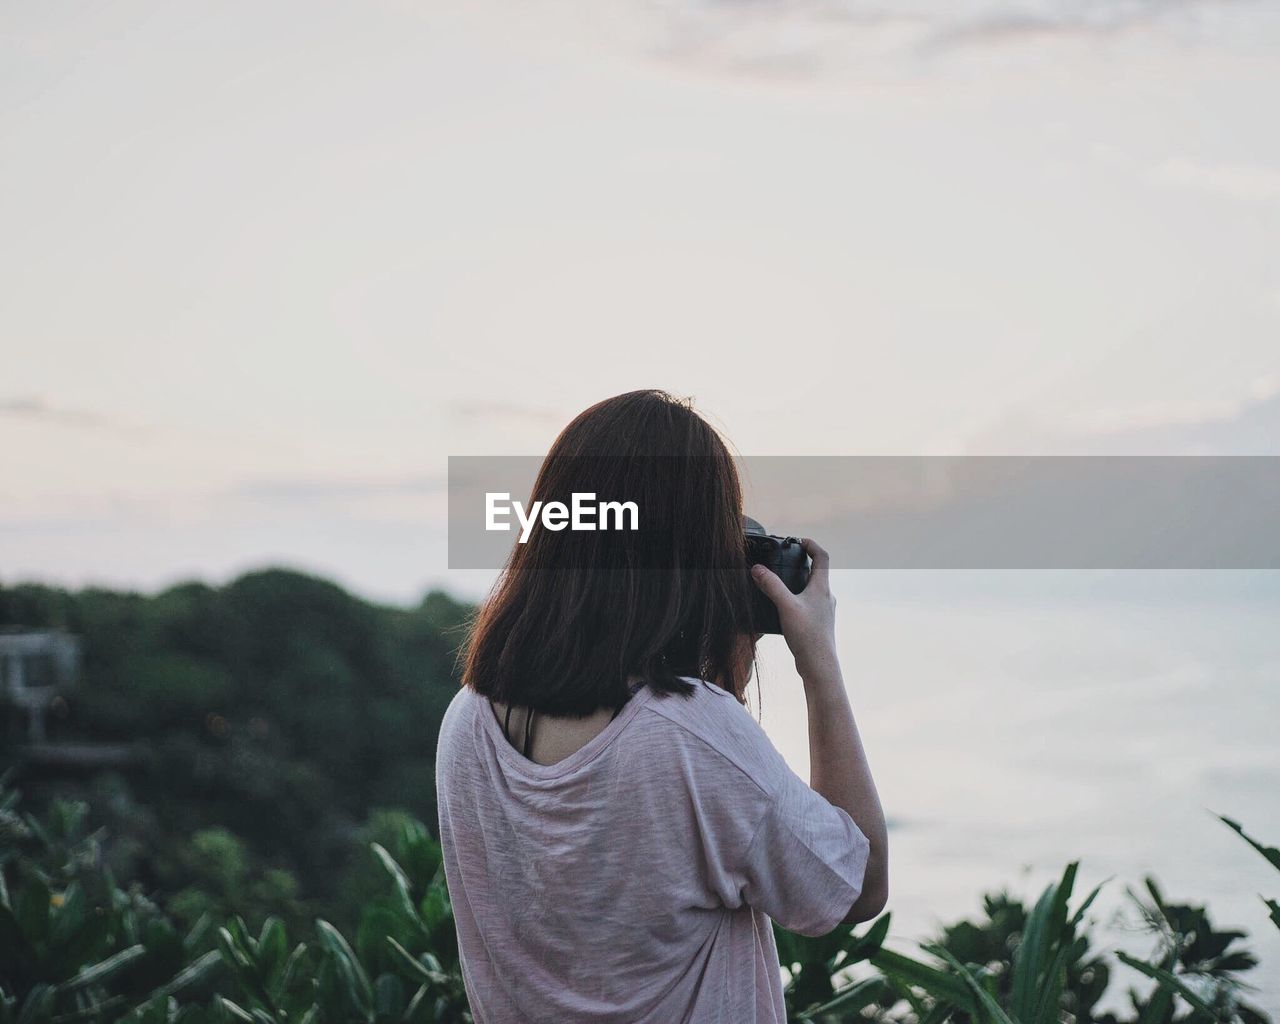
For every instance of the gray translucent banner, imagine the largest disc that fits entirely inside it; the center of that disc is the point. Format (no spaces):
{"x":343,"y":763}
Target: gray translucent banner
{"x":962,"y":512}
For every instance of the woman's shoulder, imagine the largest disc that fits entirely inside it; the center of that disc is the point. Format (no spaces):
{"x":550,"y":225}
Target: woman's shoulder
{"x":711,"y":722}
{"x":461,"y":705}
{"x":459,"y":717}
{"x":706,"y":711}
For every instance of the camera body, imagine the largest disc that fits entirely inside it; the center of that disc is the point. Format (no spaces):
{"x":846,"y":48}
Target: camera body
{"x":786,"y":557}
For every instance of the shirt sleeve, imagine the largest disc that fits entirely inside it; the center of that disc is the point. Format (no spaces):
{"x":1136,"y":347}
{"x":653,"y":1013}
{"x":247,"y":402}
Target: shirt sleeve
{"x":769,"y":840}
{"x":806,"y":862}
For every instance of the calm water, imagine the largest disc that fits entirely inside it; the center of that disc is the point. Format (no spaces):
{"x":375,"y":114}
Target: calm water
{"x":1014,"y":730}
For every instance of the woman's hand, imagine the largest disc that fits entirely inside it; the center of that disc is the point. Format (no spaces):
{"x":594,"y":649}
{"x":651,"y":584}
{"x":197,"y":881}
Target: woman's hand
{"x":809,"y":617}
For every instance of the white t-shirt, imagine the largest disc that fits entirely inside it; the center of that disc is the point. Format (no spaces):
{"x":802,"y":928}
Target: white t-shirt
{"x":634,"y":881}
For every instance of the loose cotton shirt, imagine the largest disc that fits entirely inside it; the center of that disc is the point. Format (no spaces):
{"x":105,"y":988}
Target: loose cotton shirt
{"x":634,"y":881}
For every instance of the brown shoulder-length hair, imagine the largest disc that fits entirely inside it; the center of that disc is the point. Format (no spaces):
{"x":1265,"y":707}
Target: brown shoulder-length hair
{"x":574,"y":614}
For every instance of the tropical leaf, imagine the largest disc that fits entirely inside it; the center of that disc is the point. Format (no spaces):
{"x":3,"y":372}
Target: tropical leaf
{"x":849,"y":1000}
{"x":1271,"y":853}
{"x":940,"y":985}
{"x":991,"y":1010}
{"x":105,"y":968}
{"x":356,"y":982}
{"x":1172,"y":984}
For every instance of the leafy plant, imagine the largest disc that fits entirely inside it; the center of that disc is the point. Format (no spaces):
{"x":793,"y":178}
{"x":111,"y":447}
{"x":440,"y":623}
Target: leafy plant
{"x":390,"y":975}
{"x":76,"y":947}
{"x":1272,"y":857}
{"x":1194,"y":964}
{"x":73,"y":946}
{"x":1047,"y":977}
{"x":817,"y":966}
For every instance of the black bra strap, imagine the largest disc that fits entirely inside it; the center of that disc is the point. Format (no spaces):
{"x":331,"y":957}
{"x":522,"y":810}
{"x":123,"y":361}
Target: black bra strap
{"x":528,"y":722}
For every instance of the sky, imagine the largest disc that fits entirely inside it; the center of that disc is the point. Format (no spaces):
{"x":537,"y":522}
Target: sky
{"x":268,"y":265}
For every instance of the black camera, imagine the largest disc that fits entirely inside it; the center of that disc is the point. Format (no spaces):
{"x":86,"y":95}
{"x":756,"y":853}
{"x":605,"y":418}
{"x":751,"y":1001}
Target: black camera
{"x":786,"y":557}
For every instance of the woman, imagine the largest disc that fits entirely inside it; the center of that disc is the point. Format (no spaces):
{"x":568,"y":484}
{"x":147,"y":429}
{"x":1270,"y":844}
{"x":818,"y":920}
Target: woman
{"x":618,"y":831}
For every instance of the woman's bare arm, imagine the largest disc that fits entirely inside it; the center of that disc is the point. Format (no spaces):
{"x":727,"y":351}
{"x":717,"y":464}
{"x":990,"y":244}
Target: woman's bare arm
{"x":838,"y":767}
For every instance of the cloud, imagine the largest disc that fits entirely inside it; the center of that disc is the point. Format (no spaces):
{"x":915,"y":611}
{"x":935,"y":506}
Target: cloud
{"x":312,"y":489}
{"x":38,"y":409}
{"x":1237,"y":181}
{"x":808,"y":38}
{"x":998,"y":21}
{"x":1246,"y":425}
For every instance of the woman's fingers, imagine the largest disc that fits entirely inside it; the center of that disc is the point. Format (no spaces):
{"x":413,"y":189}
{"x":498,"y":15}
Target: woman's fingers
{"x":769,"y":581}
{"x":821,"y":560}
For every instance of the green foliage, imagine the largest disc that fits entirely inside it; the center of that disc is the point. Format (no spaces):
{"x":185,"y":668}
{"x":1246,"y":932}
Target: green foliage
{"x":1030,"y":967}
{"x":1194,"y":964}
{"x":1036,"y":967}
{"x":820,"y":988}
{"x":277,"y":708}
{"x":222,"y":882}
{"x":1272,"y":857}
{"x":76,"y":947}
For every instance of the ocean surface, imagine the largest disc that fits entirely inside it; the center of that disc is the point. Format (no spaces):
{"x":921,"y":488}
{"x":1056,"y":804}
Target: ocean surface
{"x":1018,"y":722}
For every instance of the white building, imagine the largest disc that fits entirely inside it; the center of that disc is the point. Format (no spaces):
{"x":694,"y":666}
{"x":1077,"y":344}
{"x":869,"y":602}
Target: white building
{"x":35,"y":666}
